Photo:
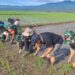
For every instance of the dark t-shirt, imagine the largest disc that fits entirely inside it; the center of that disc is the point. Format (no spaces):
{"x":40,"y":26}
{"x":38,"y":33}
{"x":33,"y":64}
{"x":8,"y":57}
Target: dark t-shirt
{"x":50,"y":39}
{"x":24,"y":42}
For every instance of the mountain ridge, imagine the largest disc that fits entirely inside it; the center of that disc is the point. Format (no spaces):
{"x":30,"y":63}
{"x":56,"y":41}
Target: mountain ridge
{"x":65,"y":6}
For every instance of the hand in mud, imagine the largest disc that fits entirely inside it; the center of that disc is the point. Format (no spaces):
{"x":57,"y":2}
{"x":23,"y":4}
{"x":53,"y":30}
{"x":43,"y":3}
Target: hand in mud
{"x":41,"y":56}
{"x":20,"y":51}
{"x":35,"y":53}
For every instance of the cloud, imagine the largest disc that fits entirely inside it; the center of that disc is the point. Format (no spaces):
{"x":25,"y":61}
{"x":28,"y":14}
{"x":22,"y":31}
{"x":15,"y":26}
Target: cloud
{"x":13,"y":1}
{"x":27,"y":2}
{"x":48,"y":0}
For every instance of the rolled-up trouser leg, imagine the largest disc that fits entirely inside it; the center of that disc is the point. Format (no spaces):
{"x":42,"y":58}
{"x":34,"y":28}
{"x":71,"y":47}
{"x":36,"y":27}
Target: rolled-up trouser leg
{"x":72,"y":53}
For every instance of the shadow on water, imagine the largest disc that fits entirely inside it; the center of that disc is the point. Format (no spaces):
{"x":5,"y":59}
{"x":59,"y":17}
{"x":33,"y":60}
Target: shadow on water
{"x":62,"y":54}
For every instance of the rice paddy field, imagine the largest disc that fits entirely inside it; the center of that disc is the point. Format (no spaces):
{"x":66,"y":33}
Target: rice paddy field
{"x":31,"y":17}
{"x":11,"y":63}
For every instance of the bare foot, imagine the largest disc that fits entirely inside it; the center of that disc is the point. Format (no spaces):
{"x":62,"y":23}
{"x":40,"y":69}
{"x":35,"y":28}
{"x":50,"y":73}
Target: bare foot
{"x":53,"y":60}
{"x":73,"y":65}
{"x":69,"y":60}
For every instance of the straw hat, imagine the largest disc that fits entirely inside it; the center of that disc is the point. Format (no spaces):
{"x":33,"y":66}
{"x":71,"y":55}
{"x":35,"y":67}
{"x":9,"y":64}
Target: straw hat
{"x":28,"y":32}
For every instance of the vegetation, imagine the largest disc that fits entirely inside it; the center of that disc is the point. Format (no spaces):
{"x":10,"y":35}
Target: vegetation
{"x":11,"y":63}
{"x":30,"y":17}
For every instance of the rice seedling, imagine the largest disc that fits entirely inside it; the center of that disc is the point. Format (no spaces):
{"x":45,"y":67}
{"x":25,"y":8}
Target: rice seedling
{"x":39,"y":62}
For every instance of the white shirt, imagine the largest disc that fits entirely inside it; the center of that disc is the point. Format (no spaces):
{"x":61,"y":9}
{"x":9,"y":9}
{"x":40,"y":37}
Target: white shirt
{"x":16,"y":23}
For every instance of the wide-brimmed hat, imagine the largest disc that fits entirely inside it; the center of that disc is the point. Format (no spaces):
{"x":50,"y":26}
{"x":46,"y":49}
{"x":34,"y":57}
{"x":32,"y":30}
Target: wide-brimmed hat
{"x":28,"y":32}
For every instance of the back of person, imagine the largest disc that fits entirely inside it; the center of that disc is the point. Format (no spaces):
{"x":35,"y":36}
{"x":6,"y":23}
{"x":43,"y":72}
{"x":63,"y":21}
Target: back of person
{"x":14,"y":28}
{"x":16,"y":22}
{"x":1,"y":23}
{"x":2,"y":26}
{"x":48,"y":37}
{"x":11,"y":20}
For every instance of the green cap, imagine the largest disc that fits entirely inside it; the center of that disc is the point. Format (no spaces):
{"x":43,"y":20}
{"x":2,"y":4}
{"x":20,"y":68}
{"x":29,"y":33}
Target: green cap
{"x":70,"y":34}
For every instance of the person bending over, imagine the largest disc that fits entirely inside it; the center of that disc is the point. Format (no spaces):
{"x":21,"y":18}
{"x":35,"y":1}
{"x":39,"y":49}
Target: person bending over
{"x":51,"y":41}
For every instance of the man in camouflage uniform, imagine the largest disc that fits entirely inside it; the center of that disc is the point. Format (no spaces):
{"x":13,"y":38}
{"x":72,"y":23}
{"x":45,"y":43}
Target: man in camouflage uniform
{"x":69,"y":38}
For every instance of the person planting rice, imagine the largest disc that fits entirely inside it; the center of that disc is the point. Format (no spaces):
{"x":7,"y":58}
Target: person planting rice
{"x":69,"y":38}
{"x":4,"y":36}
{"x":17,"y":22}
{"x":2,"y":26}
{"x":52,"y":42}
{"x":11,"y":20}
{"x":26,"y":39}
{"x":13,"y":32}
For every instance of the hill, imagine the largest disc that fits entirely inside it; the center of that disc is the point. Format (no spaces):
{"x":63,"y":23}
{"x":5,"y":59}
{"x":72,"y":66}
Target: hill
{"x":65,"y":6}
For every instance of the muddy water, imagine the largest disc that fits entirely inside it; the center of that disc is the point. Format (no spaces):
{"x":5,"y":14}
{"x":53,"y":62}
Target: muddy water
{"x":26,"y":65}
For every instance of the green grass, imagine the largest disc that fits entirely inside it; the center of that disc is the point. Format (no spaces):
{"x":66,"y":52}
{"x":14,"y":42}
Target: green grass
{"x":30,"y":17}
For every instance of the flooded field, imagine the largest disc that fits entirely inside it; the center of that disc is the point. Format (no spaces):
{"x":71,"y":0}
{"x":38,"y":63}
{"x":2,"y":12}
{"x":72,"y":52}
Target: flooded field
{"x":11,"y":63}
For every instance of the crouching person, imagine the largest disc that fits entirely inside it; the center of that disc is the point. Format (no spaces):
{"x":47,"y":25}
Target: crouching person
{"x":5,"y":36}
{"x":69,"y":38}
{"x":26,"y":39}
{"x":52,"y":42}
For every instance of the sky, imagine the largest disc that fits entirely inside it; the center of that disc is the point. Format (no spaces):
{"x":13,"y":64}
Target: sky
{"x":27,"y":2}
